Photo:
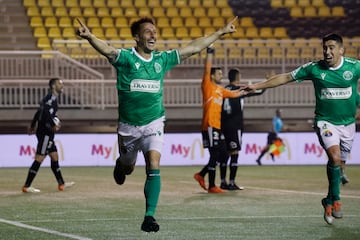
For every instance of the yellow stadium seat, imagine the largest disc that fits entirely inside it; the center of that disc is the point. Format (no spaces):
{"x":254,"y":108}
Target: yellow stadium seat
{"x":196,"y":32}
{"x":238,"y":34}
{"x":121,"y":22}
{"x":235,"y":53}
{"x":54,"y":32}
{"x":289,"y":3}
{"x":181,"y":32}
{"x":266,"y":32}
{"x":324,"y":11}
{"x":125,"y":33}
{"x":61,"y":12}
{"x":186,"y":12}
{"x":199,"y":12}
{"x":221,"y":3}
{"x":226,"y":12}
{"x":204,"y":22}
{"x":98,"y":32}
{"x":194,"y":3}
{"x":33,"y":11}
{"x":307,"y":53}
{"x":310,"y":12}
{"x":296,"y":12}
{"x":300,"y":42}
{"x":71,"y":3}
{"x":251,"y":32}
{"x":103,"y":12}
{"x":93,"y":22}
{"x":208,"y":3}
{"x":162,"y":22}
{"x":47,"y":12}
{"x":352,"y":51}
{"x":176,"y":22}
{"x":107,"y":22}
{"x":158,"y":12}
{"x":218,"y":22}
{"x":76,"y":23}
{"x":191,"y":22}
{"x":36,"y":22}
{"x":277,"y":3}
{"x":65,"y":22}
{"x":112,"y":3}
{"x":29,"y":3}
{"x":116,"y":12}
{"x":44,"y":43}
{"x":43,"y":3}
{"x":181,"y":3}
{"x":40,"y":32}
{"x":172,"y":12}
{"x":213,"y":12}
{"x":220,"y":53}
{"x":167,"y":33}
{"x":130,"y":12}
{"x":154,"y":3}
{"x":144,"y":12}
{"x":263,"y":53}
{"x":246,"y":22}
{"x":85,"y":3}
{"x":140,"y":3}
{"x":292,"y":53}
{"x":317,"y":3}
{"x":208,"y":30}
{"x":50,"y":22}
{"x":303,"y":3}
{"x":280,"y":32}
{"x":99,"y":3}
{"x":338,"y":11}
{"x":277,"y":52}
{"x":68,"y":33}
{"x":75,"y":12}
{"x":89,"y":12}
{"x":167,"y":3}
{"x":111,"y":33}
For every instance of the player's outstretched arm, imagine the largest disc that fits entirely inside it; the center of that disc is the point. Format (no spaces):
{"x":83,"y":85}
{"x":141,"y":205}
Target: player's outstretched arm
{"x":199,"y":44}
{"x":271,"y":82}
{"x":101,"y":46}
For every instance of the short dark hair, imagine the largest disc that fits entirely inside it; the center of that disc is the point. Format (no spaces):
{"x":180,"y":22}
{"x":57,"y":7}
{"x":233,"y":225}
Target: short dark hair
{"x":214,"y":69}
{"x":232,"y":74}
{"x":135,"y":26}
{"x":333,"y":36}
{"x":52,"y":82}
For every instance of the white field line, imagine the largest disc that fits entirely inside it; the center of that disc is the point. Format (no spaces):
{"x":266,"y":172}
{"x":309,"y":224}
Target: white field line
{"x":45,"y":230}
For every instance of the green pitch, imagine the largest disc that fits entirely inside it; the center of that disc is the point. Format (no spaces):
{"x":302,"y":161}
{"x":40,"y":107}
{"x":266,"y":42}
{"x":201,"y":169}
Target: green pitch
{"x":280,"y":202}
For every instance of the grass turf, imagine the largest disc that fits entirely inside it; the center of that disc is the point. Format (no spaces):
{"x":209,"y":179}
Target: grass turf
{"x":279,"y":202}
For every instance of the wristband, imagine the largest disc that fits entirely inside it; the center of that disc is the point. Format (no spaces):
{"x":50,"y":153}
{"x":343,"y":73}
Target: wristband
{"x":210,"y":50}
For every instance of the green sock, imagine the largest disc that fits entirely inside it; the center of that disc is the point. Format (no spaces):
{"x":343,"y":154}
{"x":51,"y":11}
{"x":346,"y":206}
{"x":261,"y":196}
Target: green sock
{"x":334,"y":176}
{"x":152,"y":191}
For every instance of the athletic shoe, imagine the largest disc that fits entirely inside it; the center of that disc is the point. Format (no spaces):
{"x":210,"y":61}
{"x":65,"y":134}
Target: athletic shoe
{"x":224,"y":186}
{"x":344,"y":179}
{"x":234,"y":187}
{"x":30,"y":190}
{"x":119,"y":173}
{"x":149,"y":224}
{"x":216,"y":189}
{"x":336,"y":210}
{"x":200,"y":179}
{"x":258,"y":162}
{"x":328,"y":217}
{"x":61,"y":187}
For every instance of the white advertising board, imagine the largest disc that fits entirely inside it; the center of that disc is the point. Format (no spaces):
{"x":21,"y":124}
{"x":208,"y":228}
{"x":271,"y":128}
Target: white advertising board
{"x":179,"y":149}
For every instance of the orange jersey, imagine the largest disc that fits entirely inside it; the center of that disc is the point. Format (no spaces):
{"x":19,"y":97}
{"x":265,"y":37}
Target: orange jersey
{"x":213,"y":95}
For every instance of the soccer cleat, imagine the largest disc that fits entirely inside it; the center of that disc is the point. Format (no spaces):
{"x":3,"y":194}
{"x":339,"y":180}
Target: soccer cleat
{"x":336,"y":210}
{"x":30,"y":190}
{"x":119,"y":173}
{"x":344,"y":179}
{"x":149,"y":224}
{"x":61,"y":187}
{"x":216,"y":189}
{"x":258,"y":162}
{"x":234,"y":187}
{"x":224,"y":186}
{"x":328,"y":217}
{"x":200,"y":179}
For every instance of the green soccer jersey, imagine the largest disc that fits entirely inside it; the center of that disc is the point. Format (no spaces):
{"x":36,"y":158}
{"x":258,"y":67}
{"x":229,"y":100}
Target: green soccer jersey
{"x":335,"y":89}
{"x":140,"y":84}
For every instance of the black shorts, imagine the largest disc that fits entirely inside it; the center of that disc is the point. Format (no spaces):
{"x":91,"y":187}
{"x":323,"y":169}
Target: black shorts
{"x":213,"y":138}
{"x":45,"y":144}
{"x":272,"y":136}
{"x":233,"y":138}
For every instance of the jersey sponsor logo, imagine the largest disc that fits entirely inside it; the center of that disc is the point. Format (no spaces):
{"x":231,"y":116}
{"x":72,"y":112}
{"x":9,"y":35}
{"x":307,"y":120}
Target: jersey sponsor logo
{"x":348,"y":75}
{"x":336,"y":93}
{"x":140,"y":85}
{"x":327,"y":133}
{"x":157,"y":67}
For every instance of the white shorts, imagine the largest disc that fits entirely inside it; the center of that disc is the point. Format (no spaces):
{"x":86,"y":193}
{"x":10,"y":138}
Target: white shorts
{"x":132,"y":139}
{"x":330,"y":135}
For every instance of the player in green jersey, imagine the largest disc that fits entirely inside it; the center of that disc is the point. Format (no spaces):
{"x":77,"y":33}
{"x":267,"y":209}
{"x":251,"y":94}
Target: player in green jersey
{"x":335,"y":80}
{"x":140,"y":74}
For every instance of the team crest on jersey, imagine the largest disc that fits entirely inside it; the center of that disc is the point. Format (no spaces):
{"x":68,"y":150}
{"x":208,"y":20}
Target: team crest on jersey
{"x":347,"y":75}
{"x":327,"y":133}
{"x":157,"y":67}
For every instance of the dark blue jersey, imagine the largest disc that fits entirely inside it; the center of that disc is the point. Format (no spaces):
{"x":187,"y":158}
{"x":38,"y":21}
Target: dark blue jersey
{"x":45,"y":114}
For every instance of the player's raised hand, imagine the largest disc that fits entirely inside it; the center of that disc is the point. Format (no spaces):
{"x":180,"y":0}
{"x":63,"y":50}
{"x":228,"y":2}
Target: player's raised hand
{"x":83,"y":31}
{"x":230,"y":27}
